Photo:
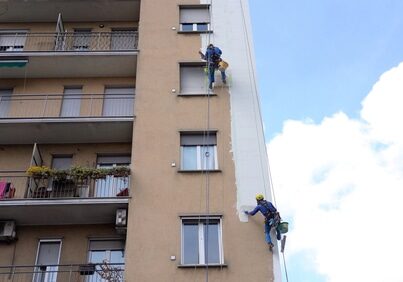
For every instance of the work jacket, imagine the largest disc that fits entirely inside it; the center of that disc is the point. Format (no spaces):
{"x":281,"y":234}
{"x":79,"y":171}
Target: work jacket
{"x":266,"y":208}
{"x":213,"y":55}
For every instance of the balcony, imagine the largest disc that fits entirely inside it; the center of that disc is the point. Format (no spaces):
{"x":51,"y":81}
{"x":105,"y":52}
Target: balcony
{"x":68,"y":118}
{"x":73,"y":11}
{"x":55,"y":201}
{"x":96,"y":272}
{"x":68,"y":54}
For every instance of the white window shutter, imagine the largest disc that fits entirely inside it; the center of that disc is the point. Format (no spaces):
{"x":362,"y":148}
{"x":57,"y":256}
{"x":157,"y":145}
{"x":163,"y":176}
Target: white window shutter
{"x":194,"y":15}
{"x":193,"y":80}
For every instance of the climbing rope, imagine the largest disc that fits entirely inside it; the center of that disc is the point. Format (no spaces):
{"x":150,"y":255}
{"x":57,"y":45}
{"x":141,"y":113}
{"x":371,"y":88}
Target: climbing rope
{"x":207,"y":155}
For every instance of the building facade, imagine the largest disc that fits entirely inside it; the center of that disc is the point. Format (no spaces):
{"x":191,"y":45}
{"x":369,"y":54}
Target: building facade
{"x":117,"y":163}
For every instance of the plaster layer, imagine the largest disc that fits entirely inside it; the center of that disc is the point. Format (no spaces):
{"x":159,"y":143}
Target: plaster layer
{"x":232,"y":34}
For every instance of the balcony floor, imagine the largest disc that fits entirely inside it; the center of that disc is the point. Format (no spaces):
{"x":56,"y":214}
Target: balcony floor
{"x":66,"y":130}
{"x":62,"y":211}
{"x":73,"y":11}
{"x":72,"y":64}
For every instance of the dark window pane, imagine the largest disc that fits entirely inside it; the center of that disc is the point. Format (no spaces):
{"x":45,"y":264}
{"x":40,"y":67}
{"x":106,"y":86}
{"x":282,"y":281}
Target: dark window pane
{"x":202,"y":27}
{"x":211,"y":237}
{"x":190,"y":244}
{"x":187,"y":27}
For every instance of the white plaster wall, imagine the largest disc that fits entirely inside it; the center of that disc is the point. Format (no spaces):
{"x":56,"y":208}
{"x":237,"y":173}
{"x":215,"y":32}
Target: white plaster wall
{"x":232,"y":34}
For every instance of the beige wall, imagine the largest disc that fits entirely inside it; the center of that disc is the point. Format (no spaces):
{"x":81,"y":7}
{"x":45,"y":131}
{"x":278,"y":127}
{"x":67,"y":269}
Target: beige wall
{"x":41,"y":105}
{"x":74,"y":243}
{"x":160,"y":192}
{"x":18,"y":157}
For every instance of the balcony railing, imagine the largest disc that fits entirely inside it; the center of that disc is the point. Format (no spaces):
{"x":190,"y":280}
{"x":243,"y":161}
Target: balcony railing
{"x":16,"y":185}
{"x":66,"y":106}
{"x":69,"y":41}
{"x":102,"y":272}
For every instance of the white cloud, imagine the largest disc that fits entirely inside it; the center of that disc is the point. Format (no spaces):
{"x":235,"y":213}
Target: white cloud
{"x":341,"y":184}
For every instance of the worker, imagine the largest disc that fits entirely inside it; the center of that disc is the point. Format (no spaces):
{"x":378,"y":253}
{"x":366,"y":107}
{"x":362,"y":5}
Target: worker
{"x":272,"y":217}
{"x":214,"y":62}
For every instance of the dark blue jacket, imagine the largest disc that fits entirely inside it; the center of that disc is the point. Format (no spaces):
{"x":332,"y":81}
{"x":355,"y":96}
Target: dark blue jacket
{"x":266,"y":208}
{"x":213,"y":55}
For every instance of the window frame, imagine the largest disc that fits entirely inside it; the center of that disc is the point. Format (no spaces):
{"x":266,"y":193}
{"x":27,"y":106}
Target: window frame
{"x":56,"y":271}
{"x":23,"y":33}
{"x":203,"y":91}
{"x":5,"y":101}
{"x":127,"y":97}
{"x":195,"y":24}
{"x":73,"y":101}
{"x":107,"y":250}
{"x":199,"y":157}
{"x":61,"y":156}
{"x":202,"y":219}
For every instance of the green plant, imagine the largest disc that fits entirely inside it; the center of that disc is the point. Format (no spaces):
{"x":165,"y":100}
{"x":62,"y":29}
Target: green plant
{"x":39,"y":171}
{"x":98,"y":173}
{"x":80,"y":173}
{"x":120,"y":171}
{"x":61,"y":174}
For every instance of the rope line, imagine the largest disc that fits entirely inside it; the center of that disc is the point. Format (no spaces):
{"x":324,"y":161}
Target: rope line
{"x":205,"y":155}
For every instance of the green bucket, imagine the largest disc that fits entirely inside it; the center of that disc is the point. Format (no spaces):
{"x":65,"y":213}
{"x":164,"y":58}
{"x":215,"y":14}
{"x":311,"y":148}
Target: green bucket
{"x":283,"y":227}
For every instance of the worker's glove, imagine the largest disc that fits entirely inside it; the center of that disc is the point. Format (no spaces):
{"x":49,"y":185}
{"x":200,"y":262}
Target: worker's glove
{"x":246,"y":212}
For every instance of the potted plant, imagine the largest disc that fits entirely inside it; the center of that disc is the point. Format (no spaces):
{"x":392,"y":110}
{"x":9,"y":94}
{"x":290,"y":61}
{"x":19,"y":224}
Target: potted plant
{"x":61,"y":175}
{"x":120,"y":171}
{"x":80,"y":173}
{"x":99,"y":173}
{"x":39,"y":172}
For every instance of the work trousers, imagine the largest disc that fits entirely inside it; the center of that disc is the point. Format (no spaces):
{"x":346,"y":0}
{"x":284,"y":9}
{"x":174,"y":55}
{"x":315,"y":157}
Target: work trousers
{"x":268,"y":225}
{"x":211,"y":70}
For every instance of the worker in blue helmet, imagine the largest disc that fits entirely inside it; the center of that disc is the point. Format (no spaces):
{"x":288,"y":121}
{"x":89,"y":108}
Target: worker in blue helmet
{"x":272,"y":217}
{"x":213,"y":58}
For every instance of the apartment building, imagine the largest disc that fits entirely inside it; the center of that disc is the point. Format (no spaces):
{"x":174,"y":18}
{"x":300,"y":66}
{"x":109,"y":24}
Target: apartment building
{"x":117,"y":163}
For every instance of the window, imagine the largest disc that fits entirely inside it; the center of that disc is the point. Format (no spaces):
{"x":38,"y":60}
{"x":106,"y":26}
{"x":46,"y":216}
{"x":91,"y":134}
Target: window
{"x":193,"y":79}
{"x":118,"y":101}
{"x":81,"y":39}
{"x":111,"y":251}
{"x":12,"y":40}
{"x":201,"y":241}
{"x":198,"y":151}
{"x":123,"y":39}
{"x":71,"y":103}
{"x":194,"y":18}
{"x":47,"y":259}
{"x":61,"y":188}
{"x":62,"y":162}
{"x":112,"y":186}
{"x":5,"y":100}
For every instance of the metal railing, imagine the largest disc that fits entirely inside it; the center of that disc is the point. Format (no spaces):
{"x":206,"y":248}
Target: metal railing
{"x":69,"y":41}
{"x":66,"y":105}
{"x":22,"y":186}
{"x":105,"y":272}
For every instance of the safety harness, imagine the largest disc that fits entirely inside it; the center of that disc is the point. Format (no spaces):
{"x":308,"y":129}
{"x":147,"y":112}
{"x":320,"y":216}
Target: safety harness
{"x":271,"y":214}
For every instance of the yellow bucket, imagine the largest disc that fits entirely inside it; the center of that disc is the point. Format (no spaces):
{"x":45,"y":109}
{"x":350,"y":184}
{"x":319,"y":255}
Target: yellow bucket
{"x":222,"y":65}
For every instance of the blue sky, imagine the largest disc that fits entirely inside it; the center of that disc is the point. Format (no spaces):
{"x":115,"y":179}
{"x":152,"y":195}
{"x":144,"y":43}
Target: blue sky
{"x":317,"y":57}
{"x":331,"y":92}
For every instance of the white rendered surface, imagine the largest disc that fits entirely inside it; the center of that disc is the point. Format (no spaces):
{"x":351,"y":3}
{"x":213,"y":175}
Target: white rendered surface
{"x":232,"y":34}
